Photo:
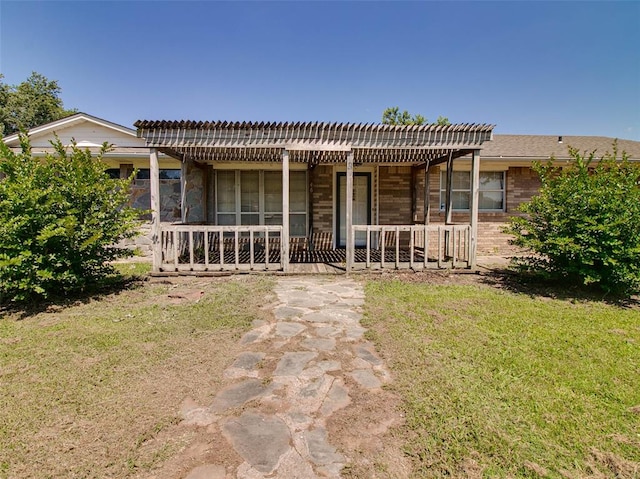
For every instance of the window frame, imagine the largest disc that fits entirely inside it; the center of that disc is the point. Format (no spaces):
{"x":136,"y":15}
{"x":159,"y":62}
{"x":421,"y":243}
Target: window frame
{"x":262,"y":211}
{"x":443,"y":190}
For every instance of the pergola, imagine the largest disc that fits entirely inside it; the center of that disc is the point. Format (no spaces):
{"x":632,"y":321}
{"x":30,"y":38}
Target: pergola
{"x":316,"y":143}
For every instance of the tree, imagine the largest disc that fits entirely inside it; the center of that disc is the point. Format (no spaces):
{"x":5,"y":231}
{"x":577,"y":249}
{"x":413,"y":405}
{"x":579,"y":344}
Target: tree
{"x":61,"y":217}
{"x":33,"y":102}
{"x":584,"y":225}
{"x":393,"y":116}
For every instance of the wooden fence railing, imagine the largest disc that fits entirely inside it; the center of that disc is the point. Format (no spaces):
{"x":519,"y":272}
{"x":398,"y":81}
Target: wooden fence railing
{"x":221,"y":248}
{"x":411,"y":246}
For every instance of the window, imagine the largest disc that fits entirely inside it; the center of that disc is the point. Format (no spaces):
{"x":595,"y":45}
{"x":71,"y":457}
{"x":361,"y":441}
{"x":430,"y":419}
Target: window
{"x":254,"y":197}
{"x":169,"y":174}
{"x":491,"y":195}
{"x":114,"y":173}
{"x":143,"y":174}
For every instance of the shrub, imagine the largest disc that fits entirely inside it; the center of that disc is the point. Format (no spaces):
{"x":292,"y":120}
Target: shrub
{"x":60,"y":219}
{"x":584,"y":225}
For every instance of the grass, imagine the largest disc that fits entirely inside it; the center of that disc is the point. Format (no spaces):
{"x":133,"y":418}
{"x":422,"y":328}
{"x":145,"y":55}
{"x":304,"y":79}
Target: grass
{"x":500,"y":384}
{"x":86,"y":386}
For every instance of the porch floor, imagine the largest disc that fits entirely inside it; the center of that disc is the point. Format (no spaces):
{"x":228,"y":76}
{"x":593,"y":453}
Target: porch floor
{"x":336,"y":257}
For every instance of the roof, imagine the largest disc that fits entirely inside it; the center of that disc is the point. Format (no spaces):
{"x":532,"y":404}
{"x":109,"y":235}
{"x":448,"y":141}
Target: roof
{"x":329,"y":142}
{"x":545,"y":146}
{"x":14,"y":139}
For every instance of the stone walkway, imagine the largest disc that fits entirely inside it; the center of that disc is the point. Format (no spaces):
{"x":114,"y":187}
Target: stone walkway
{"x":296,"y":370}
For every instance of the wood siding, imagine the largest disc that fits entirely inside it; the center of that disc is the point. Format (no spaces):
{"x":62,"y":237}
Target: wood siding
{"x":89,"y":132}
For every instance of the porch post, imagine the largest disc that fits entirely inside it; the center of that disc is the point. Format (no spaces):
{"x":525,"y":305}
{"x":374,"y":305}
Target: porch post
{"x":284,"y":241}
{"x":414,"y":194}
{"x":183,"y":190}
{"x":448,"y":212}
{"x":475,"y":194}
{"x":154,"y":173}
{"x":427,"y":191}
{"x":349,"y":211}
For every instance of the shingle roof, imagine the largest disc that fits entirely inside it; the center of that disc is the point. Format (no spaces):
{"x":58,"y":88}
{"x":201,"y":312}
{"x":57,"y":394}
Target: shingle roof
{"x":544,"y":146}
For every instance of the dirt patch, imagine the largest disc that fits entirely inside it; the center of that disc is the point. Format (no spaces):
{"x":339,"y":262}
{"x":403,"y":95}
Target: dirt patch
{"x":606,"y":464}
{"x":368,"y":432}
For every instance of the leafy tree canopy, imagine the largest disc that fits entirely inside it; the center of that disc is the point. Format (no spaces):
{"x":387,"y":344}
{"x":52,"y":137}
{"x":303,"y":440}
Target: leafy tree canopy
{"x":393,"y":116}
{"x":33,"y":102}
{"x":584,"y":225}
{"x":61,"y":218}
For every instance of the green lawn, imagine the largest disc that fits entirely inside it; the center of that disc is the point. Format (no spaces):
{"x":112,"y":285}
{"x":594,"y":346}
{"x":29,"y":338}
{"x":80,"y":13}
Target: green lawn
{"x":499,"y":384}
{"x":85,"y":387}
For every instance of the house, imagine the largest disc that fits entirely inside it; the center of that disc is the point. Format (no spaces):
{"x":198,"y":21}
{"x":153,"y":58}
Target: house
{"x":220,"y":199}
{"x":506,"y":164}
{"x":128,"y":153}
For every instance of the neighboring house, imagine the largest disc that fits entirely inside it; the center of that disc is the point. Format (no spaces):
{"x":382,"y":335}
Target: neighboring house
{"x":233,"y":197}
{"x":128,"y":153}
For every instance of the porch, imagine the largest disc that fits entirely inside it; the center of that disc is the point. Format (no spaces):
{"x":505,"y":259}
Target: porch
{"x":243,"y":226}
{"x":206,"y":248}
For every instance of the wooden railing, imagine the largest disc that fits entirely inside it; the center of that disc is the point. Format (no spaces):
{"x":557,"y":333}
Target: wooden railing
{"x":221,"y":248}
{"x":411,"y":246}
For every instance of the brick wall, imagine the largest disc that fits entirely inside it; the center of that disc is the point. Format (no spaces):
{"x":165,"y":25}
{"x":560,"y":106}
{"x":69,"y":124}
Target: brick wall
{"x":321,"y":184}
{"x":522,"y":184}
{"x":395,"y":195}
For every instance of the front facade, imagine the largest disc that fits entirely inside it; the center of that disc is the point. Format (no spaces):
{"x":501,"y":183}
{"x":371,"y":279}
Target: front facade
{"x":216,"y":180}
{"x":269,"y":195}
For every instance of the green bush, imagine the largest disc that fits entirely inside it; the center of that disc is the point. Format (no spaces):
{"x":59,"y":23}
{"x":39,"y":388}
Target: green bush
{"x":60,"y":219}
{"x":584,"y":225}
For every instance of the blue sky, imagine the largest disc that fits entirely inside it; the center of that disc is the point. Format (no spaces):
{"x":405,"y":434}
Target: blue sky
{"x":561,"y":68}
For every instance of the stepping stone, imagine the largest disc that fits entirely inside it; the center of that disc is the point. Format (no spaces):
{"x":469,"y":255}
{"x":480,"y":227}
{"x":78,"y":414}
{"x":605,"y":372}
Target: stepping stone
{"x":194,"y":415}
{"x":297,"y":420}
{"x":286,"y":312}
{"x":337,"y":398}
{"x":288,"y":330}
{"x":208,"y":471}
{"x":238,"y":394}
{"x":307,"y":396}
{"x":321,"y":344}
{"x":366,"y":378}
{"x":342,"y":314}
{"x":293,"y":466}
{"x":329,"y":365}
{"x":355,"y":332}
{"x":250,"y":337}
{"x":292,"y":364}
{"x":247,"y":360}
{"x":364,"y":352}
{"x":314,"y":388}
{"x":321,"y":452}
{"x":294,"y":300}
{"x":260,"y":439}
{"x":327,"y":331}
{"x":319,"y":317}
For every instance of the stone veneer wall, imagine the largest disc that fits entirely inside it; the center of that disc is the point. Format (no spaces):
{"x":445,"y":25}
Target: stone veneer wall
{"x":169,"y":198}
{"x":195,"y":200}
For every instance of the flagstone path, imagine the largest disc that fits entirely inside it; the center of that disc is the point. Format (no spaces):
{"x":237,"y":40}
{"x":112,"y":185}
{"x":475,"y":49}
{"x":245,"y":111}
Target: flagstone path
{"x":296,"y":370}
